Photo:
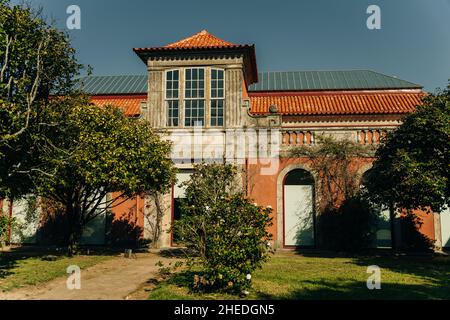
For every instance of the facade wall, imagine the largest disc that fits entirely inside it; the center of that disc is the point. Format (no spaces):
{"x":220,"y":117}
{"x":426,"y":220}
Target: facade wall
{"x":126,"y":224}
{"x":236,"y":115}
{"x":267,"y":190}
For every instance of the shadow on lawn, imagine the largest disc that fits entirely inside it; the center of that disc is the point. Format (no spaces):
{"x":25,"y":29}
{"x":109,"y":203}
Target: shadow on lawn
{"x":340,"y":289}
{"x":435,"y":268}
{"x":356,"y":290}
{"x":9,"y":259}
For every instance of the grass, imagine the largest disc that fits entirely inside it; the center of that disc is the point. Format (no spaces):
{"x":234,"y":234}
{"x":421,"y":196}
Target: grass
{"x":292,"y":276}
{"x":20,"y":269}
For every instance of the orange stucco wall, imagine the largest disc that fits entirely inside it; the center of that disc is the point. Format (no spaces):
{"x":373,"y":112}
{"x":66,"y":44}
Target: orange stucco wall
{"x":264,"y":191}
{"x":128,"y":219}
{"x":427,"y":228}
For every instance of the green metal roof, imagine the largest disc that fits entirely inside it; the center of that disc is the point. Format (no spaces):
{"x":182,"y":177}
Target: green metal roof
{"x":268,"y":81}
{"x":328,"y":80}
{"x":126,"y":84}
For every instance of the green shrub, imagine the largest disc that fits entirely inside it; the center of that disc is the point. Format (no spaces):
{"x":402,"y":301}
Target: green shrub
{"x":5,"y":224}
{"x":227,"y":233}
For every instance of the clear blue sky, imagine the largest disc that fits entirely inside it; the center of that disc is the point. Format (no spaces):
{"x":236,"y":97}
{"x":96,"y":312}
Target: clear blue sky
{"x":413,"y":43}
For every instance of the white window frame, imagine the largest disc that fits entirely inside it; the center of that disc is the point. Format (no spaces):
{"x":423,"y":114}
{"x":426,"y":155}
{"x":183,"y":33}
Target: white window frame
{"x":185,"y":99}
{"x":167,"y":99}
{"x":211,"y":98}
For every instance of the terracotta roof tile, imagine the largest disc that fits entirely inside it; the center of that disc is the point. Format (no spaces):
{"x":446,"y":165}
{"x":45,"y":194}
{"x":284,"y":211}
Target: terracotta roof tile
{"x":203,"y":39}
{"x":319,"y":103}
{"x":130,"y":104}
{"x":204,"y":42}
{"x":336,"y":103}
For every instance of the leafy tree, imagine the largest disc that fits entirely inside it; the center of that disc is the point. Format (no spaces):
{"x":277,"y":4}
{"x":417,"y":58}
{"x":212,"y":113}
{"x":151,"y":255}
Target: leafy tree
{"x":344,"y":219}
{"x":227,"y":233}
{"x":331,"y":160}
{"x":36,"y":60}
{"x":412,"y":169}
{"x":87,"y":152}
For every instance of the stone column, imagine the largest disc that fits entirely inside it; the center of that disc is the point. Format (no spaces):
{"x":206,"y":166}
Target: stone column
{"x":437,"y":232}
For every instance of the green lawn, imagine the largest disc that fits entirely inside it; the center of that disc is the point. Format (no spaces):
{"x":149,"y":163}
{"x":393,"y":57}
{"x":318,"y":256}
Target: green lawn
{"x":19,"y":269}
{"x":292,"y":276}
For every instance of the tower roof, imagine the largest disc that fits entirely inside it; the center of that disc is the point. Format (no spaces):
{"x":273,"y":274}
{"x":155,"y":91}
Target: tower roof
{"x":203,"y":41}
{"x":200,"y":40}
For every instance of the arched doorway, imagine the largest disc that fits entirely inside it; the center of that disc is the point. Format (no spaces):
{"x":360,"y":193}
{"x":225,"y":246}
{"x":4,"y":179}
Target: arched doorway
{"x":298,"y":209}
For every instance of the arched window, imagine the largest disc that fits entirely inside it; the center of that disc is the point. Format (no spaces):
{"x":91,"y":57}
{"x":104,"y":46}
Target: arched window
{"x":298,"y":199}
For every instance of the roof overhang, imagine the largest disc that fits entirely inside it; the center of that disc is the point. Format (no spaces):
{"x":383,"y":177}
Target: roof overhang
{"x":247,"y":51}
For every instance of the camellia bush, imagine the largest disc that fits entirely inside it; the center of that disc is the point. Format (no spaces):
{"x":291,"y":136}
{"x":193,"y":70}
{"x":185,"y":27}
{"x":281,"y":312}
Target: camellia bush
{"x":226,"y":233}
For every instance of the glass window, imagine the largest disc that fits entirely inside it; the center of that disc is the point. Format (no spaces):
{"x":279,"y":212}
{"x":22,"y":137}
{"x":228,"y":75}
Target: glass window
{"x":194,"y":94}
{"x":217,"y":97}
{"x":172,"y":103}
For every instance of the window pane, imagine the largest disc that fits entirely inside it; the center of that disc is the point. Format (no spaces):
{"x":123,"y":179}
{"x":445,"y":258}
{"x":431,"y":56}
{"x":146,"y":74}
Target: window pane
{"x":194,"y":92}
{"x":217,"y":112}
{"x":172,"y":113}
{"x":194,"y":112}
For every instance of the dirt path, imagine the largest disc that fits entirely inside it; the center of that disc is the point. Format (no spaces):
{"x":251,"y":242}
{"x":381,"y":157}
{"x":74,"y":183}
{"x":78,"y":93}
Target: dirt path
{"x":115,"y":279}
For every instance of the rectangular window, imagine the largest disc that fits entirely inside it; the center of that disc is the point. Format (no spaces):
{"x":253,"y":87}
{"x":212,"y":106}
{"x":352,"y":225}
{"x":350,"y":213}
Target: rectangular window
{"x":172,"y":95}
{"x":194,"y":94}
{"x":217,"y":96}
